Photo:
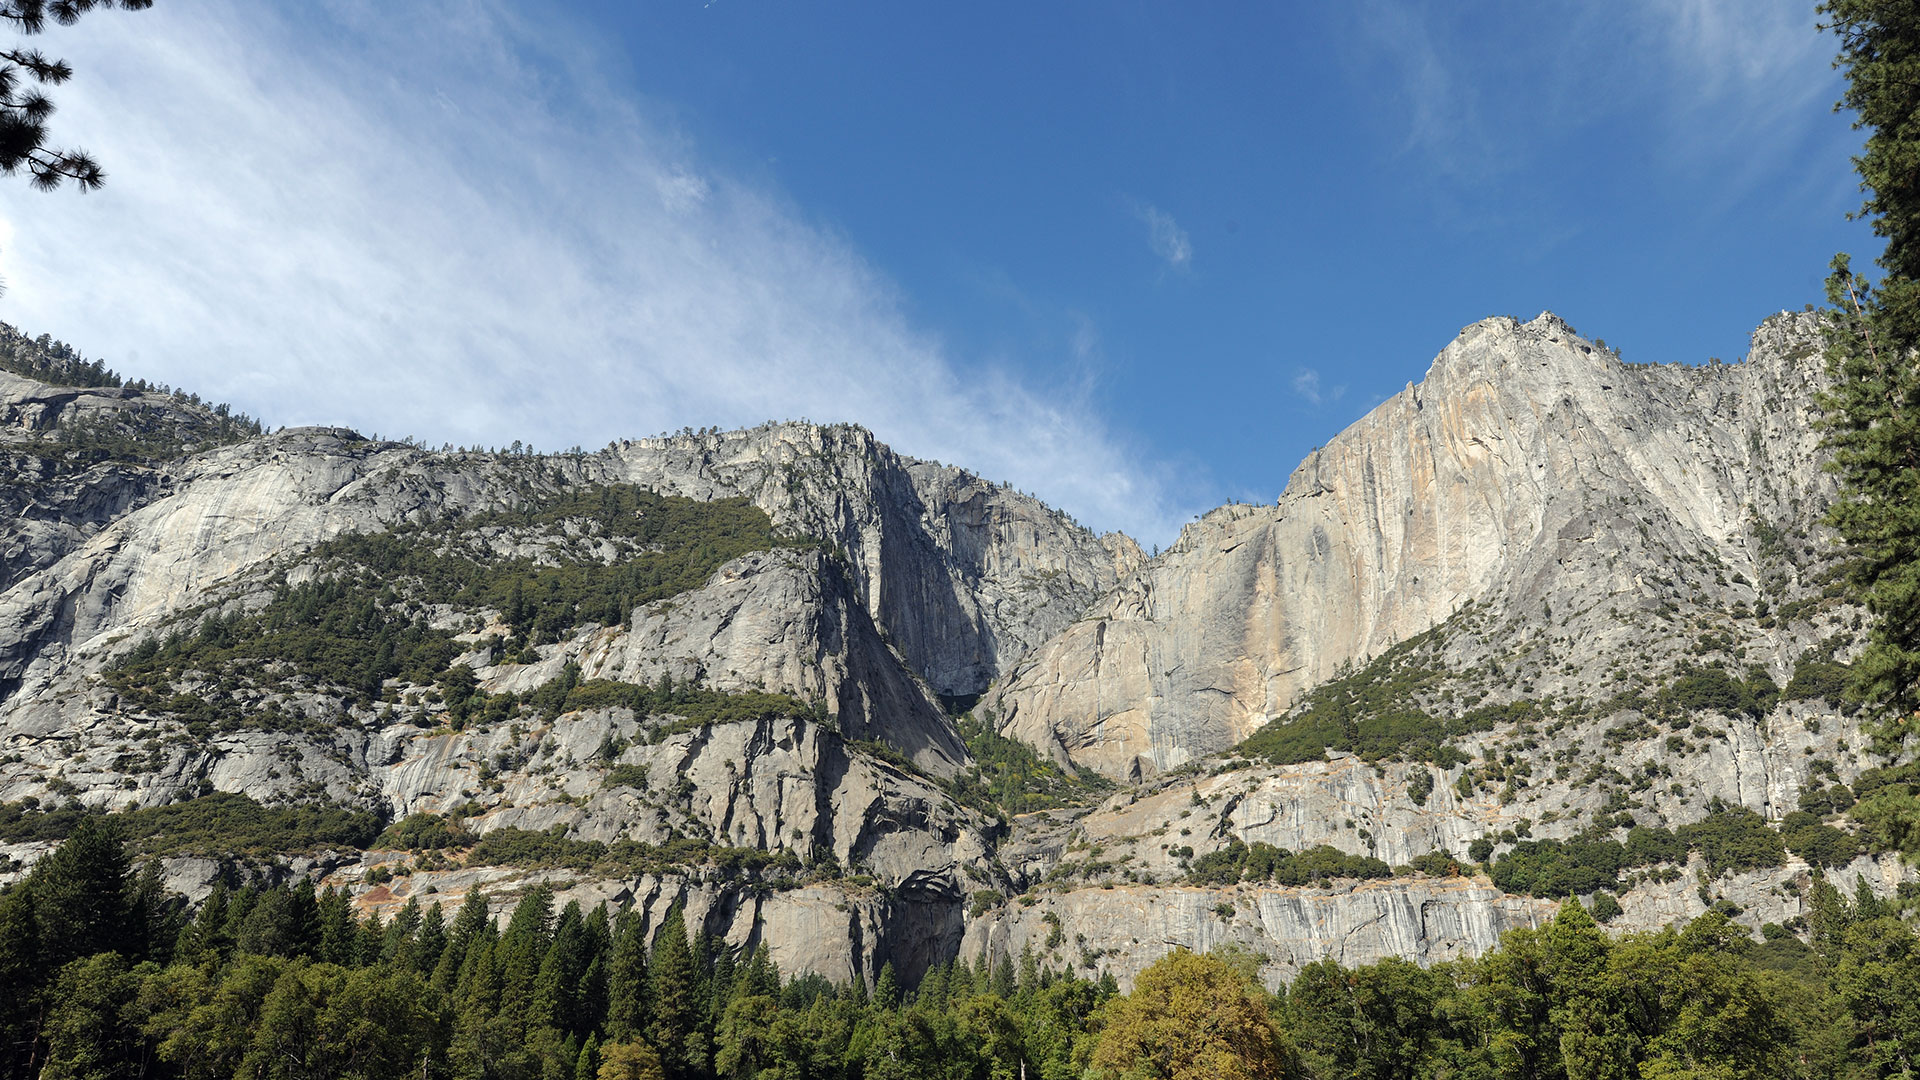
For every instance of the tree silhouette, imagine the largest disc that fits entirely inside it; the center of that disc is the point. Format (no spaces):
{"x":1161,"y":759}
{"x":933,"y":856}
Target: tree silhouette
{"x":25,"y":107}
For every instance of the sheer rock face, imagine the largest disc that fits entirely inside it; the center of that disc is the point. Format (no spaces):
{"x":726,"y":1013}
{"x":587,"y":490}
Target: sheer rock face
{"x":1531,"y":473}
{"x":956,"y":573}
{"x":1424,"y":920}
{"x":224,"y":513}
{"x":785,"y":620}
{"x":843,"y":933}
{"x":962,"y":575}
{"x":50,"y":506}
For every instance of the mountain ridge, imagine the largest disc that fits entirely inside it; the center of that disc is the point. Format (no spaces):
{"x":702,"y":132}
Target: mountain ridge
{"x":1506,"y":608}
{"x":1434,"y":501}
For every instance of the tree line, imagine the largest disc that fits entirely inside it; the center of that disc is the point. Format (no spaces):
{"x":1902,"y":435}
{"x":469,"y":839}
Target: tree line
{"x":109,"y":976}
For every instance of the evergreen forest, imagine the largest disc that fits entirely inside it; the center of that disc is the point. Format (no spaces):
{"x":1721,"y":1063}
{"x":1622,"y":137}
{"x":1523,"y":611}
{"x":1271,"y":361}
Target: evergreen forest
{"x":106,"y":975}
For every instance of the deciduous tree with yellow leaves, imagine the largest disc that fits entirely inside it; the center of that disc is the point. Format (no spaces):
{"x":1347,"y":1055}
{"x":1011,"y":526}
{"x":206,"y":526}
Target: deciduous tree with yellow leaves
{"x":1191,"y":1017}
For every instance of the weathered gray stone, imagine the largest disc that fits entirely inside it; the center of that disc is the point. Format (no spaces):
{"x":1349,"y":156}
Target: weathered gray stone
{"x":1531,"y":473}
{"x":1561,"y":527}
{"x":1126,"y":928}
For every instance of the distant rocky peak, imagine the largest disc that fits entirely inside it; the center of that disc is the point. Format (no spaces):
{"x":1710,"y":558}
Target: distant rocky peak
{"x":1532,"y":471}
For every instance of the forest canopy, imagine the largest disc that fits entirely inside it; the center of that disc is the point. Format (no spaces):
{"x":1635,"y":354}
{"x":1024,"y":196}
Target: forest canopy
{"x":109,"y":975}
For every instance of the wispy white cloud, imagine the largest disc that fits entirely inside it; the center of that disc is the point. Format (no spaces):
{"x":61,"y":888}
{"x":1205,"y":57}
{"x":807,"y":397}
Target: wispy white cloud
{"x":1734,"y":86}
{"x":435,"y":220}
{"x":1307,"y":385}
{"x":1165,"y":237}
{"x":1443,"y":121}
{"x":1737,"y":46}
{"x":1742,"y":80}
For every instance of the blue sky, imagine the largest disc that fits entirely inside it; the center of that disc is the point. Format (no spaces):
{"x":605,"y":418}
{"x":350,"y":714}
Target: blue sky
{"x":1137,"y":259}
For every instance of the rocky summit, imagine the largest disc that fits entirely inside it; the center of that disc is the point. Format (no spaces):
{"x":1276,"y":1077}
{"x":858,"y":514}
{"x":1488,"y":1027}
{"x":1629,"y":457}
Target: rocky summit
{"x":1543,"y":624}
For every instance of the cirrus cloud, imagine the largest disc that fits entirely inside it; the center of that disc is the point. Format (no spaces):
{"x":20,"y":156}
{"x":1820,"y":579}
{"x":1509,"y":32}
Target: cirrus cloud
{"x":442,"y":221}
{"x":1165,"y":238}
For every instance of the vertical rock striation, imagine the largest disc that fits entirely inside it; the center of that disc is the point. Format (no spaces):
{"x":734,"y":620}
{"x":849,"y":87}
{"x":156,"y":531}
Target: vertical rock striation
{"x":1531,"y":473}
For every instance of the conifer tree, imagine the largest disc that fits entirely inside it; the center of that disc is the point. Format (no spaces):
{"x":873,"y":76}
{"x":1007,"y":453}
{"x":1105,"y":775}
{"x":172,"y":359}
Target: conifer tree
{"x":706,"y":952}
{"x":80,"y":897}
{"x":675,"y":994}
{"x":932,"y":992}
{"x":886,"y":988}
{"x":479,"y":1039}
{"x":432,"y":941}
{"x":398,"y":943}
{"x":302,"y":919}
{"x":960,"y":979}
{"x":369,"y":942}
{"x":587,"y":1065}
{"x":562,"y":970}
{"x":474,"y":922}
{"x":155,"y":917}
{"x":338,"y":929}
{"x":281,"y":922}
{"x":627,"y":979}
{"x":25,"y":107}
{"x":760,"y":977}
{"x":1873,"y":410}
{"x":21,"y":972}
{"x":1029,"y":979}
{"x":204,"y":937}
{"x":716,"y":959}
{"x":522,"y":948}
{"x":591,"y":998}
{"x":1001,"y":982}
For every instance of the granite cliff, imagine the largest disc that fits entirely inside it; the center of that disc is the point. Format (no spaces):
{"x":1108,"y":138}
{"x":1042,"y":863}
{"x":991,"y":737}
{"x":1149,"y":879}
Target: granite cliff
{"x":1532,"y":474}
{"x":1543,"y":596}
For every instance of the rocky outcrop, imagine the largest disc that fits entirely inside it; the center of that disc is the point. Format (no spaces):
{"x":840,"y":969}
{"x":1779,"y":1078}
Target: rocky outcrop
{"x":1122,"y":929}
{"x":1126,"y":928}
{"x":1517,"y":554}
{"x":783,"y":786}
{"x":1531,"y":473}
{"x":959,"y":574}
{"x":59,"y":492}
{"x":963,"y":575}
{"x":843,"y":933}
{"x":785,"y":620}
{"x":1367,"y":809}
{"x":228,"y":512}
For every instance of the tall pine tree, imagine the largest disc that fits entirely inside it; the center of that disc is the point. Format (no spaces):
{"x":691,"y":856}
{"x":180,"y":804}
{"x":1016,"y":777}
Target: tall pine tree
{"x":627,"y":982}
{"x":81,"y":898}
{"x":674,"y":1026}
{"x":1873,"y":410}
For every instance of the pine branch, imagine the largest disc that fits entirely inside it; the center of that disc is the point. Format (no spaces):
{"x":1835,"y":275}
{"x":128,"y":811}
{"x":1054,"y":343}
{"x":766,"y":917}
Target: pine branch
{"x":50,"y":168}
{"x":23,"y":115}
{"x":30,"y":16}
